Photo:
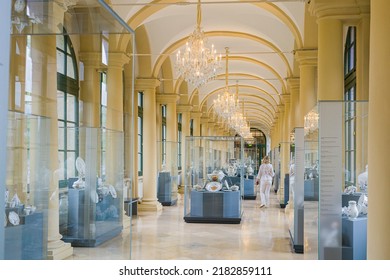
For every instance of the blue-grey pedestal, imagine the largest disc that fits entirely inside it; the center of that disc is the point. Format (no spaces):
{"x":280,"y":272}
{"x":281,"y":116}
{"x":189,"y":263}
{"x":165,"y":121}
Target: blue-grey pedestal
{"x":164,"y":189}
{"x":214,"y":207}
{"x":249,"y":189}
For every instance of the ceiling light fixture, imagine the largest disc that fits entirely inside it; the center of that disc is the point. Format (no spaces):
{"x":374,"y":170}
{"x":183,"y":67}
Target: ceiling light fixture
{"x":198,"y":64}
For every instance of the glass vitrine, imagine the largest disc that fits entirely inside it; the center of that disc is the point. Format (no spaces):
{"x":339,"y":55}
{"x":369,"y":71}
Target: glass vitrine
{"x":342,"y":159}
{"x":94,"y":186}
{"x":167,"y":177}
{"x":251,"y":162}
{"x":214,"y":179}
{"x":58,"y":54}
{"x":295,"y":206}
{"x":27,"y":187}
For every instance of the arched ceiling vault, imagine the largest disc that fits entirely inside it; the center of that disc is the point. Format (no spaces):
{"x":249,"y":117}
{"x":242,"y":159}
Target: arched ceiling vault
{"x":261,"y":35}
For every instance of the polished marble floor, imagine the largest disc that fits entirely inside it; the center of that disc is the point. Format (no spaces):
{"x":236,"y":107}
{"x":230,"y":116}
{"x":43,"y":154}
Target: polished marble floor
{"x":262,"y":234}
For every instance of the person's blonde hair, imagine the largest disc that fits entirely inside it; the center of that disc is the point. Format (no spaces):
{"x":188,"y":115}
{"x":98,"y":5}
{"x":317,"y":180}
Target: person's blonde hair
{"x":266,"y":159}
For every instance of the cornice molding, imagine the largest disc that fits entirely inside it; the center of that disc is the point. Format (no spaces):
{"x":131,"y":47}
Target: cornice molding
{"x":339,"y":9}
{"x":146,"y":84}
{"x":167,"y":98}
{"x":306,"y":57}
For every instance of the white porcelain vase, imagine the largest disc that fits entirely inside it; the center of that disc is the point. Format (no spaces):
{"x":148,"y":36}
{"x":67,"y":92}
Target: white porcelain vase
{"x":353,"y":211}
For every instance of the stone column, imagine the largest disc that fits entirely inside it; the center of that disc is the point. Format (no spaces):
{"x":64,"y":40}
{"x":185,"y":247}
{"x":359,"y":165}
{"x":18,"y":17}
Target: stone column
{"x":90,"y":89}
{"x":330,"y":59}
{"x":44,"y":87}
{"x":295,"y":114}
{"x":307,"y":99}
{"x":115,"y":90}
{"x":211,"y":128}
{"x":286,"y":135}
{"x":170,"y":101}
{"x":149,"y":200}
{"x":131,"y":132}
{"x":378,"y":241}
{"x":196,"y":122}
{"x":184,"y":109}
{"x":205,"y":126}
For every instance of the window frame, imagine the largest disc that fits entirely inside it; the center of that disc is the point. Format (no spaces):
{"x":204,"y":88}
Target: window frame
{"x":68,"y":86}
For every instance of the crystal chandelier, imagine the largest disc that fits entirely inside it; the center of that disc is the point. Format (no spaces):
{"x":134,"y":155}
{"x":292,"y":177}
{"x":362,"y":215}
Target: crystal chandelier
{"x":225,"y":104}
{"x":197,"y":64}
{"x":311,"y":122}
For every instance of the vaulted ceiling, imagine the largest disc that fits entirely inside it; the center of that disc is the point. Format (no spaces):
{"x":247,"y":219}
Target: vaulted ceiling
{"x":261,"y":37}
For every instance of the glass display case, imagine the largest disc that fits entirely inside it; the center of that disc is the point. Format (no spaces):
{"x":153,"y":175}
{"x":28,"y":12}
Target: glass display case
{"x":283,"y":174}
{"x":342,"y":158}
{"x":214,"y":179}
{"x":94,"y":186}
{"x":167,"y":177}
{"x":27,"y":187}
{"x":295,"y":206}
{"x":59,"y":51}
{"x":251,"y":164}
{"x":311,"y":185}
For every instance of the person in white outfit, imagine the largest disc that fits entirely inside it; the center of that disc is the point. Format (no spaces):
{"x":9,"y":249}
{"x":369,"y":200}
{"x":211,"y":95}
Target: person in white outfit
{"x":265,"y":175}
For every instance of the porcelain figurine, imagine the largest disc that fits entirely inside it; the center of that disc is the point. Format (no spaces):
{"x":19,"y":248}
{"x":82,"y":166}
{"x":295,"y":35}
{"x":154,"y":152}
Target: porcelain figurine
{"x":15,"y":201}
{"x":353,"y":211}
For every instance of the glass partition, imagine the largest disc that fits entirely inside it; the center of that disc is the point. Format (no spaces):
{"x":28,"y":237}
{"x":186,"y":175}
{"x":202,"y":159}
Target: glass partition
{"x":295,"y":206}
{"x":62,"y":56}
{"x":251,"y":161}
{"x":93,"y":198}
{"x":342,"y":150}
{"x":214,"y":179}
{"x":311,"y":185}
{"x":167,"y":177}
{"x":27,"y":187}
{"x":283,"y":180}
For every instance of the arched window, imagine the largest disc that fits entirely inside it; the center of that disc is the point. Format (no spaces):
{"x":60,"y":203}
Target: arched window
{"x":140,"y":147}
{"x":179,"y":140}
{"x":67,"y":108}
{"x":163,"y":134}
{"x":350,"y":106}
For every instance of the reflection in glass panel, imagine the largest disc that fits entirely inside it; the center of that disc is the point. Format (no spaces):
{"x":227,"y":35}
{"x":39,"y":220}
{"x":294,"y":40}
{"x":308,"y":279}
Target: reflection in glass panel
{"x":60,"y":41}
{"x":61,"y":136}
{"x":61,"y":164}
{"x":71,"y":164}
{"x":60,"y":62}
{"x":71,"y":107}
{"x":70,"y":68}
{"x":60,"y":105}
{"x":71,"y":138}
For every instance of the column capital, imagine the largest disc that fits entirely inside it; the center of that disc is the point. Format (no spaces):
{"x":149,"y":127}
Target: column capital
{"x":91,"y":58}
{"x":196,"y":115}
{"x":339,"y":9}
{"x":117,"y":60}
{"x":204,"y":120}
{"x":167,"y":98}
{"x":307,"y":57}
{"x":183,"y":108}
{"x":146,"y":84}
{"x":293,"y":84}
{"x":280,"y":109}
{"x":286,"y":98}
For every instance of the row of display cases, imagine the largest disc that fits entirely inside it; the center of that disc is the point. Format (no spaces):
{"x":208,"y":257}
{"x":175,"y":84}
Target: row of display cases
{"x":327,"y":169}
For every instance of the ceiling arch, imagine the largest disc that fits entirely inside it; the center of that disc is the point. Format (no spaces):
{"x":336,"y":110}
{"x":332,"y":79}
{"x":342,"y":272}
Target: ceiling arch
{"x":262,"y":37}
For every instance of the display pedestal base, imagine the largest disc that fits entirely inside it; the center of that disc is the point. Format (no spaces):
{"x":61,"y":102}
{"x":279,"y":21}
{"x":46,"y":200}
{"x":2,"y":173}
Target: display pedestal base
{"x":150,"y":206}
{"x":61,"y":252}
{"x":212,"y":220}
{"x":169,"y":203}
